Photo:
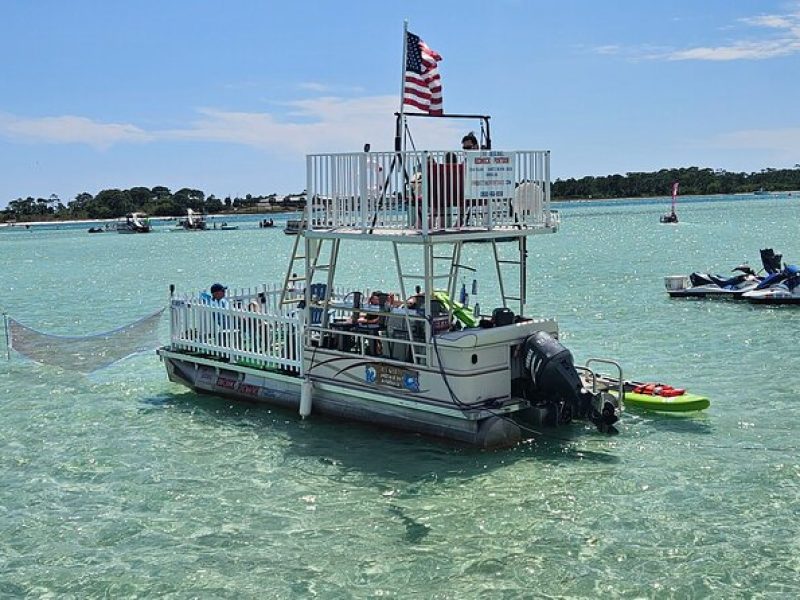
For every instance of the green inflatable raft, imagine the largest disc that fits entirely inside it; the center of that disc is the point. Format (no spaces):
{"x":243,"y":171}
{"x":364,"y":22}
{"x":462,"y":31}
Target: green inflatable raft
{"x":661,"y":398}
{"x":684,"y":403}
{"x":459,"y":311}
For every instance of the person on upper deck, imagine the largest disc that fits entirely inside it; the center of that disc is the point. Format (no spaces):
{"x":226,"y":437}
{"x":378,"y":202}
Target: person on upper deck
{"x":470,"y":142}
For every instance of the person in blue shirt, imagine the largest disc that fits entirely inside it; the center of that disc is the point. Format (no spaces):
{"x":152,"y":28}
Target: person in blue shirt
{"x":216,"y":297}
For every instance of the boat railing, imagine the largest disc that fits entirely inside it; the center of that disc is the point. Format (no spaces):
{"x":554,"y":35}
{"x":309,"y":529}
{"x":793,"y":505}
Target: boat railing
{"x":430,"y":191}
{"x":248,"y":331}
{"x":254,"y":327}
{"x":260,"y":298}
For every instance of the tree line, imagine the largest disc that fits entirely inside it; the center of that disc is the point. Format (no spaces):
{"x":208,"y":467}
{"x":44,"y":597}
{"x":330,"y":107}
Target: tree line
{"x":115,"y":203}
{"x":160,"y":201}
{"x":693,"y":181}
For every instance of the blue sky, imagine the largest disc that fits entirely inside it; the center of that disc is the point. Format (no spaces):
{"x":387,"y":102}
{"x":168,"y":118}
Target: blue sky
{"x":229,"y":96}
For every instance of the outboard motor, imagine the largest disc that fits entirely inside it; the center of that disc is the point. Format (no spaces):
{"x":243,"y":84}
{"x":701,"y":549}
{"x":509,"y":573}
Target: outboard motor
{"x":554,"y":380}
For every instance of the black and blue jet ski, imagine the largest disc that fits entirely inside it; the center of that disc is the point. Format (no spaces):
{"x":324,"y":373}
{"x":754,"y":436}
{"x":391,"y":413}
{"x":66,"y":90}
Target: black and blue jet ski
{"x":709,"y":285}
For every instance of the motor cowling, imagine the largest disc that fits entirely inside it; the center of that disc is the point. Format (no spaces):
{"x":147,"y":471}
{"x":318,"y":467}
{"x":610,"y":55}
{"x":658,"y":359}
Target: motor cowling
{"x":553,"y":379}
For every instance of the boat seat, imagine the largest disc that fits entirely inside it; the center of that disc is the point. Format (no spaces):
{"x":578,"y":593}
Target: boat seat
{"x":318,"y":294}
{"x":445,"y":194}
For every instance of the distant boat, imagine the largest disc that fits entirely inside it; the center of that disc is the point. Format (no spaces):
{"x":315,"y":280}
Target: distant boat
{"x":761,"y":192}
{"x":671,"y":217}
{"x":193,"y":222}
{"x":294,"y":226}
{"x":136,"y":222}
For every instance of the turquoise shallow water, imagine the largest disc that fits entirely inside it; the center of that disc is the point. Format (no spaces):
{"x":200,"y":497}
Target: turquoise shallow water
{"x":121,"y":484}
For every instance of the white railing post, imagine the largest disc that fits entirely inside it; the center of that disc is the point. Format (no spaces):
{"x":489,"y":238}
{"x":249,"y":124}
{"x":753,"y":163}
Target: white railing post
{"x":546,"y":203}
{"x":362,"y":189}
{"x":424,"y":204}
{"x":299,"y":329}
{"x":310,"y":189}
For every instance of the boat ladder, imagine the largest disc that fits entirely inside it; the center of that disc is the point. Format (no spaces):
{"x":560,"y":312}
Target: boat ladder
{"x":303,"y":266}
{"x":516,"y":265}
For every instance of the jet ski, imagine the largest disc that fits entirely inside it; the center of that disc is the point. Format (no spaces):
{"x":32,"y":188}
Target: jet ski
{"x":778,"y":288}
{"x":709,"y":285}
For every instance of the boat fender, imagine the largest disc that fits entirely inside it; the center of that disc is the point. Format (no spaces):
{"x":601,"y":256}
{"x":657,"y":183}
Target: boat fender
{"x":306,"y":392}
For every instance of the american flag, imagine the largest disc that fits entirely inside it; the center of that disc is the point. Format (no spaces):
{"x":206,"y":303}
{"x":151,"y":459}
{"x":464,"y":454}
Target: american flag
{"x":423,"y":86}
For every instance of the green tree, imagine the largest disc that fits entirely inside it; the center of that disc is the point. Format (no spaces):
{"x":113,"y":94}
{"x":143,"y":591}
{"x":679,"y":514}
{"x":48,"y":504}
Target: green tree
{"x":161,"y":192}
{"x":109,"y":204}
{"x":141,"y":196}
{"x":214,"y":204}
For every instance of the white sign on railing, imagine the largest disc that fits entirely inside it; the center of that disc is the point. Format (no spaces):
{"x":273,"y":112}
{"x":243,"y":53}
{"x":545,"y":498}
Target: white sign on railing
{"x":490,"y":174}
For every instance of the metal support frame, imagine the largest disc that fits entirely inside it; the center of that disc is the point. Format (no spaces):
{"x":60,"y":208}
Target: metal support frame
{"x":522,"y":277}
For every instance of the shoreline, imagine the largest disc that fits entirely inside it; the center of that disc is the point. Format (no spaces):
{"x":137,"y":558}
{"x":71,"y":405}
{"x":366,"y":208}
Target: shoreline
{"x":23,"y":224}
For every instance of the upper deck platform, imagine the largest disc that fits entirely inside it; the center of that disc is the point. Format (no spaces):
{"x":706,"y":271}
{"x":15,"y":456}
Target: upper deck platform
{"x":412,"y":194}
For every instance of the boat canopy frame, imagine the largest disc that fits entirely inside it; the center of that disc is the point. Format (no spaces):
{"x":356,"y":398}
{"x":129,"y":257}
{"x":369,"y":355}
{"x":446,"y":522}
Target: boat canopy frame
{"x":403,"y":134}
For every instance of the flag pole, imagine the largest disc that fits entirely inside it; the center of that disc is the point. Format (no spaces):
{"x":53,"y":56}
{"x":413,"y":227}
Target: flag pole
{"x":400,"y":133}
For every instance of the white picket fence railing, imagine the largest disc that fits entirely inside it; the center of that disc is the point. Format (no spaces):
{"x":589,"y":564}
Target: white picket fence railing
{"x":255,"y":330}
{"x":252,"y":331}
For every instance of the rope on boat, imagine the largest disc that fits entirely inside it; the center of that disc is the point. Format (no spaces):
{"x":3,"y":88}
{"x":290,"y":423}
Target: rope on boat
{"x":86,"y":353}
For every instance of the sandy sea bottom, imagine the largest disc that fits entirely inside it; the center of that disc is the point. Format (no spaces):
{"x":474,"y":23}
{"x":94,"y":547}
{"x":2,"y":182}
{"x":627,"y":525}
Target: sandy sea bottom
{"x":121,"y":484}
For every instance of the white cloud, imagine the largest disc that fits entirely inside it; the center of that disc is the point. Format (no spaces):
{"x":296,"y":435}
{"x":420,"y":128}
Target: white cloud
{"x":739,"y":51}
{"x":327,"y":124}
{"x":310,"y":126}
{"x":774,"y":21}
{"x":319,"y":125}
{"x":313,"y":86}
{"x":608,"y":49}
{"x":767,"y":36}
{"x":69,"y":129}
{"x":326,"y":88}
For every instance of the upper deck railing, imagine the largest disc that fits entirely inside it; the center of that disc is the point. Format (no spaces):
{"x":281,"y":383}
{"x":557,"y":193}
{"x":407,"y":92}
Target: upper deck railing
{"x":430,"y":191}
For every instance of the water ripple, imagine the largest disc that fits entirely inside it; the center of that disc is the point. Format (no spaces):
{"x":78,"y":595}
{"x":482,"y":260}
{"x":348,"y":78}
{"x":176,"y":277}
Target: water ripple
{"x":124,"y":485}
